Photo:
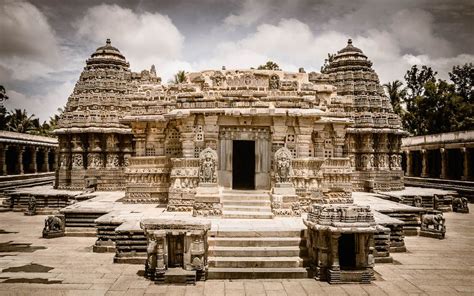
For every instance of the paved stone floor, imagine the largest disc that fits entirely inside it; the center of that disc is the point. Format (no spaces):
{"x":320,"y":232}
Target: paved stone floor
{"x":31,"y":265}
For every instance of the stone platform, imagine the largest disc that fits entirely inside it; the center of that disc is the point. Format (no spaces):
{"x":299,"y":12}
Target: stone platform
{"x":66,"y":266}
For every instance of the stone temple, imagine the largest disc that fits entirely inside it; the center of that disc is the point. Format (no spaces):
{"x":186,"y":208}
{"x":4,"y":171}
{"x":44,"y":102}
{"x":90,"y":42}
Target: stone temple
{"x":236,"y":144}
{"x":322,"y":135}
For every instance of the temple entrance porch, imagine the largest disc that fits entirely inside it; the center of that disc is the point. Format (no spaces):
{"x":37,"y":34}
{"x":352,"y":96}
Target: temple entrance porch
{"x":243,"y":159}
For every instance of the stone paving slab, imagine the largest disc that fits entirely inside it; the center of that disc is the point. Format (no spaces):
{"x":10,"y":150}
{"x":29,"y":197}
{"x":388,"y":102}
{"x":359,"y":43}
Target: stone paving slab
{"x":430,"y":267}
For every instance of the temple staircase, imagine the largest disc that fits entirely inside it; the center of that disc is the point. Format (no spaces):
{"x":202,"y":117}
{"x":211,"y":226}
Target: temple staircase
{"x":252,"y":254}
{"x":246,"y":204}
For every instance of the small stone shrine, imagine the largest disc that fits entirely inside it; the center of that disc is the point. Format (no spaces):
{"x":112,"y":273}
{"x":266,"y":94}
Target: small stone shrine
{"x":340,"y":242}
{"x":176,"y":249}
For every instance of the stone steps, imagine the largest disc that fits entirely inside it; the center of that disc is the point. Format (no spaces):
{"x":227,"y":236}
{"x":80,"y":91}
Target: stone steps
{"x":264,"y":234}
{"x":258,"y":273}
{"x":256,"y":262}
{"x":255,"y":242}
{"x":259,"y":253}
{"x":247,"y":208}
{"x":246,"y":204}
{"x":288,"y":251}
{"x":246,"y":215}
{"x":256,"y":202}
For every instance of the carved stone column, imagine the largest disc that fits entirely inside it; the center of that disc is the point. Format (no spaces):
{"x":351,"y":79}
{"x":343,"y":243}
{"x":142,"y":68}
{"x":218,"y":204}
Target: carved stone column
{"x":466,"y":164}
{"x":3,"y":160}
{"x":187,"y":136}
{"x":424,"y":164}
{"x":409,"y":171}
{"x":45,"y":165}
{"x":444,"y":164}
{"x":303,"y":138}
{"x":211,"y":130}
{"x":20,"y":168}
{"x":335,"y":250}
{"x":33,"y":164}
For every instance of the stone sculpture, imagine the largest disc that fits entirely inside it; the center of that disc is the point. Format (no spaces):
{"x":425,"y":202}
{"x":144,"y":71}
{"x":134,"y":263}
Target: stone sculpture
{"x":433,"y":225}
{"x":418,"y":201}
{"x":54,"y":226}
{"x":31,"y":206}
{"x":152,"y":251}
{"x":208,"y":162}
{"x":283,"y":165}
{"x":460,"y":205}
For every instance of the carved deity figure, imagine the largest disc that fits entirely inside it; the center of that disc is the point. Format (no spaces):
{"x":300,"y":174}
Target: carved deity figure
{"x":274,"y":82}
{"x":207,"y":167}
{"x":283,"y":165}
{"x":152,"y":251}
{"x":418,"y":202}
{"x":31,"y":206}
{"x":77,"y":161}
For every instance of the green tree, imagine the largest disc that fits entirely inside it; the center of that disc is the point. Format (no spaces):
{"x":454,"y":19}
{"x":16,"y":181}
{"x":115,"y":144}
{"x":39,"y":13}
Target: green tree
{"x":3,"y":110}
{"x":19,"y":121}
{"x":463,"y":77}
{"x":179,"y":77}
{"x":269,"y":66}
{"x":396,"y":92}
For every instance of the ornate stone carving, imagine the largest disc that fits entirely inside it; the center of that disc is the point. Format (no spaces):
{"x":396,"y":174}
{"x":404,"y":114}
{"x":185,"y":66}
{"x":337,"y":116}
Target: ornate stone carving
{"x":283,"y":167}
{"x":433,"y":225}
{"x":460,"y":205}
{"x":208,"y":166}
{"x":31,"y":211}
{"x":54,"y":226}
{"x":274,"y":82}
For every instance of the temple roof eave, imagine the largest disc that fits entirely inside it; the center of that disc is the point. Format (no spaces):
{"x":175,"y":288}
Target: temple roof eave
{"x":100,"y":130}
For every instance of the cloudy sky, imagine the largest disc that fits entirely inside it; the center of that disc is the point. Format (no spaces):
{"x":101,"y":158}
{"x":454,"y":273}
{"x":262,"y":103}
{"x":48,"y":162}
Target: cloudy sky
{"x":44,"y":43}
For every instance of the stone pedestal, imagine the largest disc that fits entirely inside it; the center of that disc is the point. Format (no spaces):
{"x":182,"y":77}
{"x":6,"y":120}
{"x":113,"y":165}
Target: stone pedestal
{"x":207,"y":201}
{"x":285,"y":202}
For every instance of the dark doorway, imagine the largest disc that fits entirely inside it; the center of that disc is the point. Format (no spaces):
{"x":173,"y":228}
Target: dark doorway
{"x":243,"y":165}
{"x":347,"y":251}
{"x":175,"y":250}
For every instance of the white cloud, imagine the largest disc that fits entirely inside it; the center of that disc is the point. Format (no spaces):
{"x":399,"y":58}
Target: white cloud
{"x":29,"y":46}
{"x":144,"y":38}
{"x":250,"y":12}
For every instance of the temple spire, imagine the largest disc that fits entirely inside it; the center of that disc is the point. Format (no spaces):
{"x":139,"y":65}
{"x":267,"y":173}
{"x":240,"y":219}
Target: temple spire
{"x":107,"y":41}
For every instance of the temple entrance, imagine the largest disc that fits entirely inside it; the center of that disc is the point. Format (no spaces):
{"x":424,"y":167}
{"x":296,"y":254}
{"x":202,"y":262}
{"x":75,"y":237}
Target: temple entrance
{"x":175,"y":250}
{"x":243,"y":164}
{"x":347,"y":251}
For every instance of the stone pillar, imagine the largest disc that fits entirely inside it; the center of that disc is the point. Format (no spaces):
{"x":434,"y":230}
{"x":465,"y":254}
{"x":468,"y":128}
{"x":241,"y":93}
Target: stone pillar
{"x":211,"y":128}
{"x":424,"y":164}
{"x":44,"y":165}
{"x":444,"y":163}
{"x":20,"y":168}
{"x":187,"y":137}
{"x":55,"y":159}
{"x":3,"y":160}
{"x":33,"y":164}
{"x":335,"y":250}
{"x":466,"y":164}
{"x":409,"y":171}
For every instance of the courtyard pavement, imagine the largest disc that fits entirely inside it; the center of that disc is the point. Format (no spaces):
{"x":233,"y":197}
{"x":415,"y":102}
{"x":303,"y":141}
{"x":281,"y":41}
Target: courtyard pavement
{"x":31,"y":265}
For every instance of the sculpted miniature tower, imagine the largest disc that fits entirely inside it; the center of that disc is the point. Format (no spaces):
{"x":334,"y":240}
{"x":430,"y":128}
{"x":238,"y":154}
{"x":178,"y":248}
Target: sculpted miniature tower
{"x":374,"y":141}
{"x":94,"y":145}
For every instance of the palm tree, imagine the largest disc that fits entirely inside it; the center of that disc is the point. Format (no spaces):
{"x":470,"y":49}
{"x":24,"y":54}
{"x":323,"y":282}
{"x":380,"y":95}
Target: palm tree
{"x":19,"y":121}
{"x":396,"y":95}
{"x":180,"y":77}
